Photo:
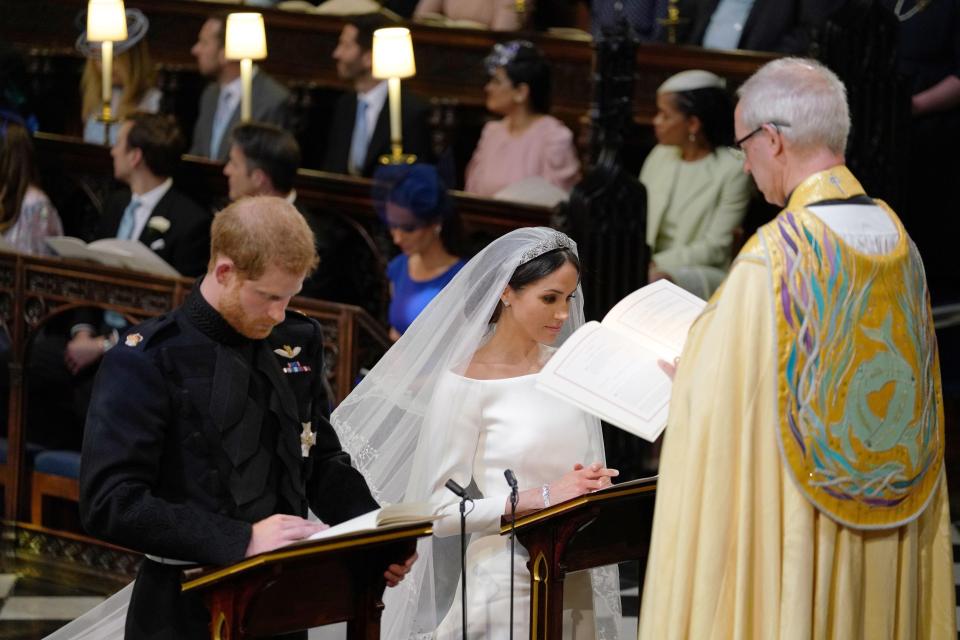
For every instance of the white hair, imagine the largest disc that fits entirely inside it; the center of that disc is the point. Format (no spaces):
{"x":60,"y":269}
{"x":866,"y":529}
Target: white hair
{"x":803,"y":94}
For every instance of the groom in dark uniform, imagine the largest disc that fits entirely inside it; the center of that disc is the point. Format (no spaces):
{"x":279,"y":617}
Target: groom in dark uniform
{"x":207,"y":435}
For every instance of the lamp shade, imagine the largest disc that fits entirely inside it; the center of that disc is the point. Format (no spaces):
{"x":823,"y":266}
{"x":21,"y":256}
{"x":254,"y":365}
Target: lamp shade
{"x":246,"y":37}
{"x":106,"y":21}
{"x":393,"y":53}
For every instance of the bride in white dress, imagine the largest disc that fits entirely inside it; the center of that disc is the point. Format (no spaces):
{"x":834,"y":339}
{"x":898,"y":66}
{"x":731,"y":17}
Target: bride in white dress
{"x":455,"y":398}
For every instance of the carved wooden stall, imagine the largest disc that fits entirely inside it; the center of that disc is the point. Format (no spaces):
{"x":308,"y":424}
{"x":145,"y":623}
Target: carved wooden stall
{"x":449,"y":69}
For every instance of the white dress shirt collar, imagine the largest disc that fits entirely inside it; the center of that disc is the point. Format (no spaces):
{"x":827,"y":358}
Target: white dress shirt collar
{"x":148,"y":201}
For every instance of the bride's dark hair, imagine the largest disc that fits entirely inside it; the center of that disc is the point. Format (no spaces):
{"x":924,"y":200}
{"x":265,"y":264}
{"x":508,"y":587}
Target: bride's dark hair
{"x":537,"y":269}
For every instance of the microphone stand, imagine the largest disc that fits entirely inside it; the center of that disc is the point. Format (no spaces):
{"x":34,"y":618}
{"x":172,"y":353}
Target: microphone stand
{"x":514,"y":498}
{"x":462,"y":493}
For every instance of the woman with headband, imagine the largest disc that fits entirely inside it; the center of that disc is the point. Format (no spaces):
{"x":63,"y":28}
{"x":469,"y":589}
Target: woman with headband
{"x":526,"y":142}
{"x":455,"y":398}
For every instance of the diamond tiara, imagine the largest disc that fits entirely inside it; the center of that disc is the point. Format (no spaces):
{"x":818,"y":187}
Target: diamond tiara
{"x":555,"y":240}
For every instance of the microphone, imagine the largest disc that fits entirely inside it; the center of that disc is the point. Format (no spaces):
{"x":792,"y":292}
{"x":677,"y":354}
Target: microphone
{"x":461,"y":493}
{"x":452,"y":485}
{"x":514,"y":498}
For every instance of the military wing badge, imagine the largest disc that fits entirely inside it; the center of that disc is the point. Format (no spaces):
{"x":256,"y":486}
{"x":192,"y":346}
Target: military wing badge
{"x":133,"y":339}
{"x":287,"y":351}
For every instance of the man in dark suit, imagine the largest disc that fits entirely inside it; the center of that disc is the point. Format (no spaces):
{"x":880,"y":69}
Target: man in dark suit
{"x":63,"y":359}
{"x":762,"y":25}
{"x":360,"y":129}
{"x":154,"y":212}
{"x":263,"y":161}
{"x":220,"y":102}
{"x":207,"y":436}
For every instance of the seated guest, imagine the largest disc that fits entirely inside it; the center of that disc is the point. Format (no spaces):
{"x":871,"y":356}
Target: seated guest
{"x":697,"y":192}
{"x":499,"y":15}
{"x":360,"y":129}
{"x":27,"y":216}
{"x":643,"y":16}
{"x":134,"y":79}
{"x":526,"y":142}
{"x":220,"y":102}
{"x":263,"y":161}
{"x":154,"y":212}
{"x":413,"y":202}
{"x":61,"y":368}
{"x":758,"y":25}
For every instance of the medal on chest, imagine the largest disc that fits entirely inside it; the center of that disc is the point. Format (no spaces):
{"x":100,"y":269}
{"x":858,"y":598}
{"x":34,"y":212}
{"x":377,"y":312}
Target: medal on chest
{"x":307,"y":439}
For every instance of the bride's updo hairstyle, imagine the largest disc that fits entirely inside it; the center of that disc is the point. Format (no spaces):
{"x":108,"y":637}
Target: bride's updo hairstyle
{"x":537,"y":269}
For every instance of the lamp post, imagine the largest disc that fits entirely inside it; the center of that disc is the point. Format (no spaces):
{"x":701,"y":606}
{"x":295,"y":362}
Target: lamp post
{"x":106,"y":24}
{"x":393,"y":60}
{"x":246,"y":41}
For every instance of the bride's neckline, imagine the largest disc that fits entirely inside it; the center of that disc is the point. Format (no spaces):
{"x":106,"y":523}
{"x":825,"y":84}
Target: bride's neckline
{"x":520,"y":377}
{"x":545,"y":354}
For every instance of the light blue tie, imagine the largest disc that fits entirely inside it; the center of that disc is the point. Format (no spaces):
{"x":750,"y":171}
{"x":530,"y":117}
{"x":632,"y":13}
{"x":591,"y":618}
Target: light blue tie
{"x":125,"y":230}
{"x":358,"y":144}
{"x":221,"y":118}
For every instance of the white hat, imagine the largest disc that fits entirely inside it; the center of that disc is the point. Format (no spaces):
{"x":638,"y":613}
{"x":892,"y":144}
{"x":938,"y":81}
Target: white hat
{"x":690,"y":80}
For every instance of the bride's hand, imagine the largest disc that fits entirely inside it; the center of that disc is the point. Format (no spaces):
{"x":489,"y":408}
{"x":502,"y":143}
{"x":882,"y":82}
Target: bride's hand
{"x":576,"y":483}
{"x":580,"y":481}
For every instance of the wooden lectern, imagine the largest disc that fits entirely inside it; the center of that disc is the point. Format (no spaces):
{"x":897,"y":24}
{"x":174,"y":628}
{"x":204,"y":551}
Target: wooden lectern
{"x":306,"y":585}
{"x":605,"y":527}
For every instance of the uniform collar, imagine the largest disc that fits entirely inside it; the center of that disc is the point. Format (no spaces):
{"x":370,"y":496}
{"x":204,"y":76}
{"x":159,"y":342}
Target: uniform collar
{"x":209,"y":321}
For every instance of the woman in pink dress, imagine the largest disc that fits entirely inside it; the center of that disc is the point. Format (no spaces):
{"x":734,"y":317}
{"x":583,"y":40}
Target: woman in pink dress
{"x":526,"y":142}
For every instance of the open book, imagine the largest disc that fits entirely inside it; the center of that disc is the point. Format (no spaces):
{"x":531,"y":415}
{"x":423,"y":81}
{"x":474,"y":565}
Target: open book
{"x":610,"y":369}
{"x":402,"y":514}
{"x":112,"y":252}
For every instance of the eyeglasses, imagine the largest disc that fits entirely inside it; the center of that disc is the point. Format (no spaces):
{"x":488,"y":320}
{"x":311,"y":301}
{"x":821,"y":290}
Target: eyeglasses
{"x":738,"y":144}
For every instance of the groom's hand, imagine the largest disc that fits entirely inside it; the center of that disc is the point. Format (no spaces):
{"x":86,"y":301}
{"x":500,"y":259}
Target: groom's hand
{"x":395,"y":573}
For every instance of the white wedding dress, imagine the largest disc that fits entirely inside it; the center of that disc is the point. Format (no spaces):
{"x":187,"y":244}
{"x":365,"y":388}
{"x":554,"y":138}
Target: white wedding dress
{"x":505,"y":424}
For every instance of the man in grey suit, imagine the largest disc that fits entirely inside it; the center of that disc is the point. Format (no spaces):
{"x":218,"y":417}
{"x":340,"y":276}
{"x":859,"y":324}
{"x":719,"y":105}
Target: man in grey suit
{"x":220,"y":102}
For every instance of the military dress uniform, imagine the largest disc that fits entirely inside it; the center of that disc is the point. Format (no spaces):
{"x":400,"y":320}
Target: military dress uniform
{"x":196,"y":432}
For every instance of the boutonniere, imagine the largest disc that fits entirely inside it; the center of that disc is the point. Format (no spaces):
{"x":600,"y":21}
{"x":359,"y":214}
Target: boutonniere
{"x":158,"y":224}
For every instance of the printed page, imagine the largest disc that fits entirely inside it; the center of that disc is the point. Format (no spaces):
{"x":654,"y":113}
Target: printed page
{"x":69,"y":247}
{"x":135,"y":256}
{"x":390,"y":517}
{"x":658,"y":315}
{"x":606,"y":374}
{"x":366,"y":522}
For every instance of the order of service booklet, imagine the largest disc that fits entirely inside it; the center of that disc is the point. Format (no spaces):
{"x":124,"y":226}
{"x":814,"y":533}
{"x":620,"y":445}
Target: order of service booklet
{"x":388,"y":517}
{"x":113,"y":252}
{"x":610,"y":368}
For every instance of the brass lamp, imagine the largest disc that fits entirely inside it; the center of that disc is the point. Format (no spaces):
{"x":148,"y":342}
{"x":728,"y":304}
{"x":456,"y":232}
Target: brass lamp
{"x":106,"y":24}
{"x":246,"y":41}
{"x":393,"y":60}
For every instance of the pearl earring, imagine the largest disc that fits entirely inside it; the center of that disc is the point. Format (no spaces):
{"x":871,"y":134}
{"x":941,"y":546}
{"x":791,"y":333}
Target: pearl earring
{"x":505,"y":303}
{"x":693,"y":137}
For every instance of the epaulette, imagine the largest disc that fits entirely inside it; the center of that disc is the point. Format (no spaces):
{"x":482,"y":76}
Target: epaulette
{"x":149,"y":332}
